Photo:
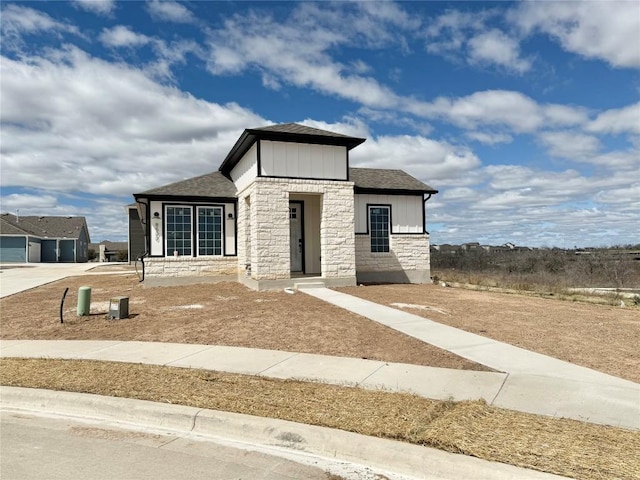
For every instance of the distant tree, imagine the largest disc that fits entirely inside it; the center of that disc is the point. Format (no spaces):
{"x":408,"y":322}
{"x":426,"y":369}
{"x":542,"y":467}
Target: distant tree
{"x":92,"y":254}
{"x":122,"y":256}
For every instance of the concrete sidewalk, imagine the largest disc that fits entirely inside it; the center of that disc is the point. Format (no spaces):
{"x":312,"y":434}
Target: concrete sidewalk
{"x":601,"y":403}
{"x":492,"y":353}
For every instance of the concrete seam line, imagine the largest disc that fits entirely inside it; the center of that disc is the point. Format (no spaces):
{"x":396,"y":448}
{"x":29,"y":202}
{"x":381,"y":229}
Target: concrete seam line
{"x":504,"y":381}
{"x":277,"y":363}
{"x":168,"y":364}
{"x":80,"y":356}
{"x":195,"y":419}
{"x":372,"y":373}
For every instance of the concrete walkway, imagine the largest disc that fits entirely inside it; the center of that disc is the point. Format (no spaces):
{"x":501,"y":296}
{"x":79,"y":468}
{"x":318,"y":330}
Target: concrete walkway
{"x":593,"y":402}
{"x":15,"y":278}
{"x":492,"y":353}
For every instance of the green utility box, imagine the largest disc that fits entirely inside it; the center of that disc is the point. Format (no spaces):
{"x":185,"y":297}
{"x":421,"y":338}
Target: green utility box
{"x":84,"y":301}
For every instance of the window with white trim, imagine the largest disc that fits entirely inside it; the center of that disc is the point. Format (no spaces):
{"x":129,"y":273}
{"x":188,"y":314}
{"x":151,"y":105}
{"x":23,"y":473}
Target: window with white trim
{"x":209,"y":231}
{"x":379,"y":229}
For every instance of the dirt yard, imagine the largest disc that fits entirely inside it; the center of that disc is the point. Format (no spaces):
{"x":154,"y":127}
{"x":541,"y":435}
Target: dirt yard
{"x":214,"y":314}
{"x":601,"y":337}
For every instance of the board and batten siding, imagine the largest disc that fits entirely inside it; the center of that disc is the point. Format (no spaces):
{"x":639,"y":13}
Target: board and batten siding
{"x":302,"y":160}
{"x":246,"y":169}
{"x":406,"y":212}
{"x":156,"y":233}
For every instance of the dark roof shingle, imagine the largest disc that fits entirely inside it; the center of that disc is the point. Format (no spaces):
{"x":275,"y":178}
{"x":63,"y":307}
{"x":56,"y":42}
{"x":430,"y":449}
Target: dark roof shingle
{"x":209,"y":185}
{"x":297,"y":129}
{"x":391,"y":180}
{"x":52,"y":227}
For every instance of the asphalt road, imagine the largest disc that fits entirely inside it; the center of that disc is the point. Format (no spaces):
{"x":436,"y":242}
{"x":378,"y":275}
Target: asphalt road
{"x":49,"y":448}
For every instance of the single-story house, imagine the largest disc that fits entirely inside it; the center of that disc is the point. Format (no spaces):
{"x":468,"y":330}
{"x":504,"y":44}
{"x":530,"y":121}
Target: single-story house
{"x":285,"y":208}
{"x":107,"y":251}
{"x":34,"y":239}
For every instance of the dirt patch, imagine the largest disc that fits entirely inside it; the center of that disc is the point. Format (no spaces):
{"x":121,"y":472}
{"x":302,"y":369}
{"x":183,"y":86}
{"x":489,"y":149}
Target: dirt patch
{"x":601,"y":337}
{"x":213,"y":314}
{"x":564,"y":447}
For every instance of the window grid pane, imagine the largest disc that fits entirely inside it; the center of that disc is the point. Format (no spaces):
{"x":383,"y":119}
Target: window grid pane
{"x":179,"y":230}
{"x":379,"y":225}
{"x":209,"y":231}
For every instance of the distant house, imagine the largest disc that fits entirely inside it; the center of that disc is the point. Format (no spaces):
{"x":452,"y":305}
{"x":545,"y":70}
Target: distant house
{"x":285,"y":208}
{"x":35,"y":239}
{"x":107,"y":251}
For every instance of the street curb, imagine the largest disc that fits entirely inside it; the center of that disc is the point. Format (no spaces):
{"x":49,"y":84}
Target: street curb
{"x":401,"y":458}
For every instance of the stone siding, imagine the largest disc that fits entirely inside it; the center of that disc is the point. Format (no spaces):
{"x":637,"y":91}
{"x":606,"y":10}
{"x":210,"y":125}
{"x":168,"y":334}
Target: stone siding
{"x":409,"y":254}
{"x":190,"y":266}
{"x":269,"y":227}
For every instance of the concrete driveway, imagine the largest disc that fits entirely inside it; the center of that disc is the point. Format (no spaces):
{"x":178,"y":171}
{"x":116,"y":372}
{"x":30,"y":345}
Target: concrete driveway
{"x":17,"y":277}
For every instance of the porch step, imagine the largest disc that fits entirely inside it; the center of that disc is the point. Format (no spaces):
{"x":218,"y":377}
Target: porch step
{"x":309,"y":284}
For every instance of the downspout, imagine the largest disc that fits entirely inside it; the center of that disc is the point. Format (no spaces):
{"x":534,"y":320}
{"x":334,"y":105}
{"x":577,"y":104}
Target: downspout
{"x":424,"y":207}
{"x":147,"y":233}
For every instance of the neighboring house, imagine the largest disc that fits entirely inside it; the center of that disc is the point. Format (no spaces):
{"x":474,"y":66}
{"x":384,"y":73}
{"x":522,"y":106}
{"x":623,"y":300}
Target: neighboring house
{"x":107,"y":251}
{"x":43,"y":239}
{"x":136,"y":237}
{"x":285,"y":208}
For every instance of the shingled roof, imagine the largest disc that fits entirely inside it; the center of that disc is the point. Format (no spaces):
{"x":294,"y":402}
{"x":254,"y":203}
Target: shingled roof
{"x":297,"y":129}
{"x":209,"y":185}
{"x":372,"y":179}
{"x":44,"y":227}
{"x":7,"y":228}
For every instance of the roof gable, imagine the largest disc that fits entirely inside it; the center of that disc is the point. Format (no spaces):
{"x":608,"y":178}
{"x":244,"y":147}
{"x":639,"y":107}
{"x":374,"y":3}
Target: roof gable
{"x":285,"y":132}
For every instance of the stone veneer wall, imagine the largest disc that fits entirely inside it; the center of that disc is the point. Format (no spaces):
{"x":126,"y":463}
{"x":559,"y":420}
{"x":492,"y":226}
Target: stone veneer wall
{"x":408,"y":259}
{"x":269,"y":224}
{"x":189,"y":266}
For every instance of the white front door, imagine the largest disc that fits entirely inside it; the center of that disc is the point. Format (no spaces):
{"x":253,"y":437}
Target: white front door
{"x":295,"y":230}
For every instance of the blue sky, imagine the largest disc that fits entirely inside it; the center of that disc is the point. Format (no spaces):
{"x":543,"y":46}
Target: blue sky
{"x":525,"y":116}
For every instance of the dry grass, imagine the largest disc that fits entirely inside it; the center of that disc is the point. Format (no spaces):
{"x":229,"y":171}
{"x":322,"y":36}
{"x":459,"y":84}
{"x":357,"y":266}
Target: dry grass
{"x":601,"y":337}
{"x":563,"y":447}
{"x":213,"y":314}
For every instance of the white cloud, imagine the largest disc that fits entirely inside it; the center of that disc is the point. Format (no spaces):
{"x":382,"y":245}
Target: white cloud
{"x":495,"y":107}
{"x":170,"y":11}
{"x":608,"y":31}
{"x":292,"y":55}
{"x":570,"y":145}
{"x":489,"y":138}
{"x":495,"y":47}
{"x":76,"y":123}
{"x":620,"y":120}
{"x":628,"y":195}
{"x":122,"y":36}
{"x":467,"y":36}
{"x":434,"y":162}
{"x":99,"y":7}
{"x":502,"y":108}
{"x":553,"y":208}
{"x":17,"y":21}
{"x":26,"y":202}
